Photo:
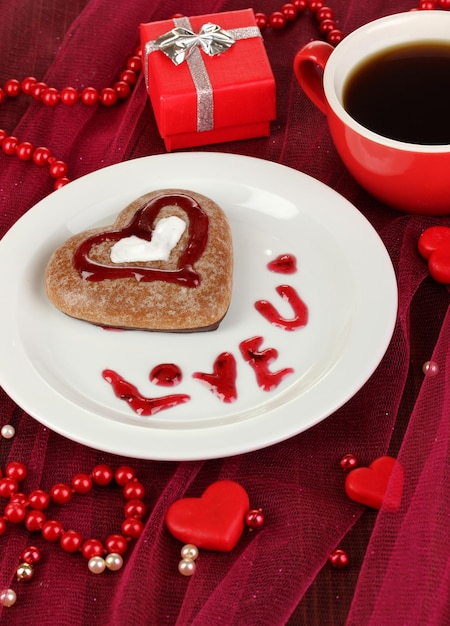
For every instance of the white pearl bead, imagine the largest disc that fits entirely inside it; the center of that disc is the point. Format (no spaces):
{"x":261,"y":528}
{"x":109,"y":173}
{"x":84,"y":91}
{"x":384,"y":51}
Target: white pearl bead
{"x":7,"y":597}
{"x":189,"y":551}
{"x":186,"y":567}
{"x":96,"y":565}
{"x":114,"y":561}
{"x":8,"y":431}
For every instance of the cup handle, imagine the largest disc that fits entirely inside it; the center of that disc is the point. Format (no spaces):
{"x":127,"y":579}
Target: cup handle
{"x":308,"y":63}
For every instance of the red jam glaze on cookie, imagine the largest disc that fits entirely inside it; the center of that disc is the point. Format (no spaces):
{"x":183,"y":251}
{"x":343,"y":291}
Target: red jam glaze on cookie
{"x":141,"y":226}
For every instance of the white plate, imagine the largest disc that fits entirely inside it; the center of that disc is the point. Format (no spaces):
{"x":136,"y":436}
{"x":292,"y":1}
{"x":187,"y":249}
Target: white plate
{"x":51,"y":364}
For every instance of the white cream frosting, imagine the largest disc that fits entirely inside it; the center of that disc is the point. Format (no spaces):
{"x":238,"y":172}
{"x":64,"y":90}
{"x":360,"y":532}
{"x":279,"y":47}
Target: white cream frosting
{"x":165,"y":237}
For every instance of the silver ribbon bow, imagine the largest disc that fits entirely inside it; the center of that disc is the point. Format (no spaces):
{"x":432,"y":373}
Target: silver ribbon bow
{"x":179,"y":43}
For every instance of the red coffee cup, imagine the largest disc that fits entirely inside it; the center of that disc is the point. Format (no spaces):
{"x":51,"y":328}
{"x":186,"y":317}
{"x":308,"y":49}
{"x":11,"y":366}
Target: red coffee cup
{"x":413,"y":177}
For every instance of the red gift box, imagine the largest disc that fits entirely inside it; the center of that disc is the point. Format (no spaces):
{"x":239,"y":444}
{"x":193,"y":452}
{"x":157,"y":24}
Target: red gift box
{"x":208,"y":99}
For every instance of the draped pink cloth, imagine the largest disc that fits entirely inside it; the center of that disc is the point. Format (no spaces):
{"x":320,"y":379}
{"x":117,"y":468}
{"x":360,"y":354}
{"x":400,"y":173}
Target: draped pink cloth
{"x":399,"y":571}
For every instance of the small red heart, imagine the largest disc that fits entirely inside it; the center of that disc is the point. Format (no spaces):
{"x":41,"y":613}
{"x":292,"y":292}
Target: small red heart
{"x":215,"y":521}
{"x":434,"y":246}
{"x":369,"y":485}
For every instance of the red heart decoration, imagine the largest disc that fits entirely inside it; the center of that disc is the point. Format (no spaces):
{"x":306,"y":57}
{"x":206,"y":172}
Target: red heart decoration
{"x":369,"y":485}
{"x":215,"y":521}
{"x":434,"y":246}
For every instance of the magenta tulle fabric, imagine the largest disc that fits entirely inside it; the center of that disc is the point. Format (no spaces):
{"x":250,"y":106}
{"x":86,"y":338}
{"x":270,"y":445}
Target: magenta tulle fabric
{"x":399,"y":570}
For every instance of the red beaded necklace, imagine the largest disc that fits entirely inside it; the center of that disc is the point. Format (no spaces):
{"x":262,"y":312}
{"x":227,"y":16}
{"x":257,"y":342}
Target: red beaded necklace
{"x":30,"y":510}
{"x":121,"y":90}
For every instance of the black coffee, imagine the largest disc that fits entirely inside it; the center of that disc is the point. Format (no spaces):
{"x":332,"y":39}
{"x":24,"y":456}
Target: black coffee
{"x":403,"y":93}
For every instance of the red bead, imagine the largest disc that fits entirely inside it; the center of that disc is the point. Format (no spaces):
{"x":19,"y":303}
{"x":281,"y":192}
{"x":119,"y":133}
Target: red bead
{"x":326,"y":26}
{"x":58,"y":169}
{"x":134,"y":63}
{"x":444,"y":4}
{"x":3,"y":134}
{"x":25,"y":150}
{"x":20,"y":498}
{"x":9,"y":145}
{"x":116,"y":543}
{"x":81,"y":483}
{"x":289,"y":11}
{"x":50,"y":97}
{"x":16,"y":470}
{"x":128,"y":76}
{"x":338,"y":559}
{"x":61,"y":182}
{"x":31,"y":555}
{"x":39,"y":499}
{"x":68,"y":96}
{"x":37,"y":89}
{"x":277,"y":20}
{"x":2,"y":526}
{"x":8,"y":486}
{"x":27,"y":84}
{"x":15,"y":512}
{"x":124,"y":474}
{"x":89,"y":96}
{"x":35,"y":520}
{"x":300,"y":5}
{"x":92,"y":547}
{"x":315,"y":5}
{"x":334,"y":37}
{"x":12,"y":87}
{"x":60,"y":493}
{"x":254,"y":518}
{"x":122,"y":89}
{"x":134,"y":490}
{"x":135,"y":508}
{"x":108,"y":96}
{"x":348,"y":462}
{"x":102,"y":475}
{"x":427,"y":5}
{"x":41,"y":155}
{"x":52,"y":530}
{"x":71,"y":541}
{"x":132,"y":527}
{"x":325,"y":13}
{"x":261,"y":20}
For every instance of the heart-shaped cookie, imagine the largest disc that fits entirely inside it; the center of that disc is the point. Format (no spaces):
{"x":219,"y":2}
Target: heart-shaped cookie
{"x":215,"y":521}
{"x":434,"y":246}
{"x":189,"y":290}
{"x":369,"y":485}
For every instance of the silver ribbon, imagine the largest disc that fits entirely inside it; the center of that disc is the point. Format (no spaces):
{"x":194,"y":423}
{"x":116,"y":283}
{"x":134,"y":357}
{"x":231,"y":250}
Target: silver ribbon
{"x":182,"y":44}
{"x":179,"y":43}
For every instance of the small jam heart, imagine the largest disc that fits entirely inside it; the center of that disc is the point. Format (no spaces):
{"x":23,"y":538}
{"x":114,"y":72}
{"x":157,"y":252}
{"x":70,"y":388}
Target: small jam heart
{"x":283,"y":264}
{"x":369,"y":485}
{"x":434,"y":246}
{"x":213,"y":522}
{"x":142,"y":226}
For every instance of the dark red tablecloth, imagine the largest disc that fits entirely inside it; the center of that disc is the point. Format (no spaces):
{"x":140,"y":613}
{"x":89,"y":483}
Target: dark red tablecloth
{"x":399,"y":565}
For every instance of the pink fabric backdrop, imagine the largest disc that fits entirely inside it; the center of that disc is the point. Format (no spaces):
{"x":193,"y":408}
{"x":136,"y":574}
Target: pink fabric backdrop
{"x":399,"y":570}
